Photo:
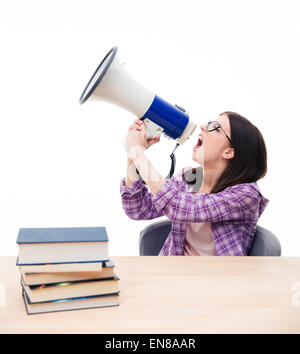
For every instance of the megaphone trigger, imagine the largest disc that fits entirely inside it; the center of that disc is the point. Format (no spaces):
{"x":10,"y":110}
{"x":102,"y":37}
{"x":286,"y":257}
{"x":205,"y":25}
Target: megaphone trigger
{"x":181,"y":108}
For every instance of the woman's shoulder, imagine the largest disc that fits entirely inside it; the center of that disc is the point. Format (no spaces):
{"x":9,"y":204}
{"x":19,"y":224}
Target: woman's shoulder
{"x":250,"y":187}
{"x":250,"y":192}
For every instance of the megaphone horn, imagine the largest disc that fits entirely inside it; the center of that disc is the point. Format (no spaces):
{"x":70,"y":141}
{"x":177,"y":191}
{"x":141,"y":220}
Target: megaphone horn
{"x":111,"y":83}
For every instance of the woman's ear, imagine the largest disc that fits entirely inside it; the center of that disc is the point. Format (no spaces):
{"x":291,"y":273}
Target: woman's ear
{"x":228,"y":153}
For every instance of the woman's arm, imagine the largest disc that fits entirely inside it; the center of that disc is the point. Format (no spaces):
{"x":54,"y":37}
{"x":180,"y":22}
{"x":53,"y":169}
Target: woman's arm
{"x":239,"y":203}
{"x":236,"y":204}
{"x":136,"y":145}
{"x":131,"y":175}
{"x":153,"y":179}
{"x":136,"y":200}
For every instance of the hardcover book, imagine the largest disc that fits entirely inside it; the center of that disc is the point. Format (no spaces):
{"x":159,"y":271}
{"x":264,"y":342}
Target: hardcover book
{"x":71,"y":304}
{"x":61,"y":267}
{"x":61,"y":291}
{"x":67,"y":244}
{"x":106,"y":272}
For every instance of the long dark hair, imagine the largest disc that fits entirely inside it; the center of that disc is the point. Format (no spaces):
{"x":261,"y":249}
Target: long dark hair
{"x":249,"y":163}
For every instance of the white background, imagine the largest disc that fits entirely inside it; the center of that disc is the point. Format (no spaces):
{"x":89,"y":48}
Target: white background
{"x":61,"y":163}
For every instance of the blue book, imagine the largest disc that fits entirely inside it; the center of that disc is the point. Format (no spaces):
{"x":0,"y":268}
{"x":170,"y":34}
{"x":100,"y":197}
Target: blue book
{"x":62,"y":245}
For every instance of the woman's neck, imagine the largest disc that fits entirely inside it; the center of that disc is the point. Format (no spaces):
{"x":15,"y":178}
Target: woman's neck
{"x":210,"y":177}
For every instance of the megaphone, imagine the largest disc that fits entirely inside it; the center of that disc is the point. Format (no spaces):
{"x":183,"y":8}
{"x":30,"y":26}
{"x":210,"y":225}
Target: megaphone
{"x":111,"y":83}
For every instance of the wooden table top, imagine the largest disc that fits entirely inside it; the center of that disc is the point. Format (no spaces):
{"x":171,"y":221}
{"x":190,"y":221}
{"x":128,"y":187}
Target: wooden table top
{"x":174,"y":295}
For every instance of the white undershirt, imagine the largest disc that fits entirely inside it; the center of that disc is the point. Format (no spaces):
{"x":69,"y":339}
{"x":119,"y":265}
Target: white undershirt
{"x":199,"y":240}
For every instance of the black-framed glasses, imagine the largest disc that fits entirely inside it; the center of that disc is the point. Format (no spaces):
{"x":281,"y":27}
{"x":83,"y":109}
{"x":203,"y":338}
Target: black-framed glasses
{"x":215,"y":125}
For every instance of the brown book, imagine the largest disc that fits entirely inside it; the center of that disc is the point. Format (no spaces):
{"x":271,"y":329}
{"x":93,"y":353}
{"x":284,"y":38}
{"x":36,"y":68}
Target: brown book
{"x":60,"y":277}
{"x":60,"y":291}
{"x":71,"y":304}
{"x":61,"y":267}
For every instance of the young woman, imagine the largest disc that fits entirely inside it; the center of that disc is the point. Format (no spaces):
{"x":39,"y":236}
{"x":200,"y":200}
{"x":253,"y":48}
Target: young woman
{"x":218,"y":219}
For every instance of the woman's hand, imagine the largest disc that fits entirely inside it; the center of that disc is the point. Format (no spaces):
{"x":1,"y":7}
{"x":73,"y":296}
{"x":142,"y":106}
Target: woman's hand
{"x":136,"y":139}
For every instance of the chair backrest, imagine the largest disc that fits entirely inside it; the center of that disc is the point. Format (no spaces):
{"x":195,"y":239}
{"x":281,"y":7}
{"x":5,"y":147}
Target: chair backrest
{"x":265,"y":243}
{"x":153,"y":237}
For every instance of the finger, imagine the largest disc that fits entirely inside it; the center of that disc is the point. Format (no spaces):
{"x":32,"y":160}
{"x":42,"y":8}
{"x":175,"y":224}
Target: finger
{"x":135,"y":127}
{"x":138,"y":121}
{"x":150,"y":142}
{"x":143,"y":129}
{"x":153,"y":141}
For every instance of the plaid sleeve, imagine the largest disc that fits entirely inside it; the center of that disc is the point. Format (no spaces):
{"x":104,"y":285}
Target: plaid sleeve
{"x":239,"y":203}
{"x":137,"y":201}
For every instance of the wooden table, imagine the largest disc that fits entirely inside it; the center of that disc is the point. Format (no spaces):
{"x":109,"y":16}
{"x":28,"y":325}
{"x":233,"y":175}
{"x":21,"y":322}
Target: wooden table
{"x":175,"y":295}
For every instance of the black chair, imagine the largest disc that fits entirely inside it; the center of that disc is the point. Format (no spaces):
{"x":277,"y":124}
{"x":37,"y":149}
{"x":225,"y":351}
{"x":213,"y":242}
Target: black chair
{"x":153,"y":237}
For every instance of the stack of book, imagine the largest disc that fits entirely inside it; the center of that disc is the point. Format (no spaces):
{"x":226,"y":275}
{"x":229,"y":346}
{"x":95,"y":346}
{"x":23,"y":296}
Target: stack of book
{"x":66,"y":269}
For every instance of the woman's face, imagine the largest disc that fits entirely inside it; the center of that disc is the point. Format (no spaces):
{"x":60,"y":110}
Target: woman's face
{"x":214,"y":146}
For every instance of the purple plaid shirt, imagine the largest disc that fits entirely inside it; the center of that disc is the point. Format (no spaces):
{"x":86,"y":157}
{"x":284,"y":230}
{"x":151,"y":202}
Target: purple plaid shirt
{"x":232,"y":213}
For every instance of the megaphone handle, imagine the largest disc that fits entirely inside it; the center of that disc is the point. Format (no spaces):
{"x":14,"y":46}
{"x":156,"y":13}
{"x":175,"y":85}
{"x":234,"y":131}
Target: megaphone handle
{"x":152,"y":129}
{"x":172,"y":169}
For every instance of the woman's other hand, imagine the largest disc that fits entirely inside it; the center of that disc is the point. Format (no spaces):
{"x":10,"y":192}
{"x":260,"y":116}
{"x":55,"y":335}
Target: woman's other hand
{"x":136,"y":139}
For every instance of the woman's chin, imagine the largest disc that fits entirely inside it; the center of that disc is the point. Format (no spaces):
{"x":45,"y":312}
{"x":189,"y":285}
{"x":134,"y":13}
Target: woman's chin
{"x":197,"y":156}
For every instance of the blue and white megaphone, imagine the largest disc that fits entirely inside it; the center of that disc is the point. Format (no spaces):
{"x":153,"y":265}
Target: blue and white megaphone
{"x":111,"y":83}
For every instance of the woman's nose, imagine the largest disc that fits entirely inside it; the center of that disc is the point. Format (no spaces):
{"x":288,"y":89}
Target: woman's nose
{"x":203,"y":128}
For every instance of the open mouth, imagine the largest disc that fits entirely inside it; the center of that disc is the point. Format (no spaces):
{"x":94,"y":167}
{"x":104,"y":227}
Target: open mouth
{"x":199,"y":143}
